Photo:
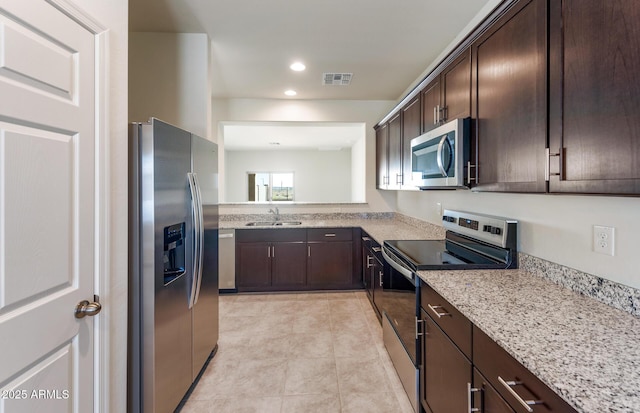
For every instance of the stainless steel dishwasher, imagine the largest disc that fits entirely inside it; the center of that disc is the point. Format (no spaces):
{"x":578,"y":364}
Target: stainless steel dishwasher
{"x":227,"y":260}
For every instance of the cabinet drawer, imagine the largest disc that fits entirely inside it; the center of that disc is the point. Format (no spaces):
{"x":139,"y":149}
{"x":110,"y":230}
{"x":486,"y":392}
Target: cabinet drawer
{"x":452,"y":322}
{"x":329,"y":234}
{"x":271,"y":235}
{"x":497,"y":366}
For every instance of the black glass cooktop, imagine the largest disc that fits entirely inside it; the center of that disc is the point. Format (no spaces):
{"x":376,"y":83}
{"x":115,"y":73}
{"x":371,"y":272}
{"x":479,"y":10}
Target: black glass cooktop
{"x":441,"y":254}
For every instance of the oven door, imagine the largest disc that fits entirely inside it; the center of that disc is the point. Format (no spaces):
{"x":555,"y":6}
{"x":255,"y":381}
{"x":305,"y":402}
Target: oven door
{"x":399,"y":330}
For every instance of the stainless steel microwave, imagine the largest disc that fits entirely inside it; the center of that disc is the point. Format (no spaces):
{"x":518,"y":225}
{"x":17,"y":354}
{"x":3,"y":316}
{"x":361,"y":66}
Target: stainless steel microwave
{"x":439,"y":157}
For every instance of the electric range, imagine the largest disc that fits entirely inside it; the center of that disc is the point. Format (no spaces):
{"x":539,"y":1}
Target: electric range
{"x":472,"y":241}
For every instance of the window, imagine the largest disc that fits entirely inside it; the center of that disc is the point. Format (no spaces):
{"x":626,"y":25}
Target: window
{"x":270,"y":186}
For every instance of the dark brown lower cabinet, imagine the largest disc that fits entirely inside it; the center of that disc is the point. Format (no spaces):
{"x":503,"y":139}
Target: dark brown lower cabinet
{"x":271,"y":265}
{"x":446,"y":373}
{"x":330,"y":264}
{"x":297,"y":259}
{"x":485,"y":398}
{"x":271,"y":260}
{"x":253,"y":266}
{"x":288,"y":264}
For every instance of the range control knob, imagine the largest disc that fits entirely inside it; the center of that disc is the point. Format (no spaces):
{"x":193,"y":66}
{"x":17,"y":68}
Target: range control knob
{"x":448,"y":218}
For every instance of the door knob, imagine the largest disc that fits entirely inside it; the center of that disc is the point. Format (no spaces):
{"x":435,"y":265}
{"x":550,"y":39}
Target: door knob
{"x":85,"y":308}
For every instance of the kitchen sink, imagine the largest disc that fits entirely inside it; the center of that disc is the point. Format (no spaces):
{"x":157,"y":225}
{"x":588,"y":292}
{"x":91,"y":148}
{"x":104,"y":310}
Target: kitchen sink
{"x":260,"y":224}
{"x":272,"y":223}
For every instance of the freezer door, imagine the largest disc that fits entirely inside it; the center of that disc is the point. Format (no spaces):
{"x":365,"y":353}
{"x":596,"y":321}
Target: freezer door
{"x":161,"y":346}
{"x":205,"y":311}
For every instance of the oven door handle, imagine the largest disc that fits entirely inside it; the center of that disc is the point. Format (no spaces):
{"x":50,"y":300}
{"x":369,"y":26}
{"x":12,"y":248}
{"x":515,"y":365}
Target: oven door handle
{"x":402,"y":270}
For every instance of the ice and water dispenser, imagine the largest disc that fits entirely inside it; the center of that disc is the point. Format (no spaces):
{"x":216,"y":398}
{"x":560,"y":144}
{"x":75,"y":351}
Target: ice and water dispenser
{"x":174,"y":252}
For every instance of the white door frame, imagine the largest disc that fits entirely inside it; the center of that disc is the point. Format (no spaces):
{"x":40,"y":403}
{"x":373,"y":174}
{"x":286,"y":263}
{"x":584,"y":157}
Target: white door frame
{"x":103,"y":276}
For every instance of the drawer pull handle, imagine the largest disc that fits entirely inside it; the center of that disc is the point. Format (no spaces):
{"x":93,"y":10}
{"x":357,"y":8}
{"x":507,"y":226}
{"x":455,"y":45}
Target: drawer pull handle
{"x":329,"y":235}
{"x":435,"y":308}
{"x":471,"y":390}
{"x":508,"y":384}
{"x":376,"y":249}
{"x":365,"y":239}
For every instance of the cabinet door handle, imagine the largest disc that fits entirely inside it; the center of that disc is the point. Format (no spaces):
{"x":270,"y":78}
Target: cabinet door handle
{"x":508,"y":384}
{"x":273,"y":253}
{"x":380,"y":275}
{"x":471,"y":390}
{"x":309,"y":251}
{"x":435,"y":308}
{"x":435,"y":115}
{"x":418,"y":323}
{"x":369,"y":261}
{"x":547,"y":167}
{"x":269,"y":251}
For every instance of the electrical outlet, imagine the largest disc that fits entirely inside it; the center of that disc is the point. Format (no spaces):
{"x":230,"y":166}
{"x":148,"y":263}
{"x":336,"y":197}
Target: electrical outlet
{"x":603,"y":239}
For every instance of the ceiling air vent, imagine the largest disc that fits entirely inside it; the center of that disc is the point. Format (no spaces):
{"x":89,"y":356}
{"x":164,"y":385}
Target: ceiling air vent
{"x":336,"y":79}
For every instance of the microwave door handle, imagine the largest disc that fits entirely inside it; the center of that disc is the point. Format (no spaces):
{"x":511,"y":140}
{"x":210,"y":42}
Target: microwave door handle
{"x":439,"y":156}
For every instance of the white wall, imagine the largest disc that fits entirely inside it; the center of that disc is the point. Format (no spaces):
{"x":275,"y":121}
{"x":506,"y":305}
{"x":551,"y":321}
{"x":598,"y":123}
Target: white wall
{"x":557,"y":228}
{"x":359,"y":164}
{"x":169,"y":79}
{"x":319,"y":176}
{"x":368,"y":112}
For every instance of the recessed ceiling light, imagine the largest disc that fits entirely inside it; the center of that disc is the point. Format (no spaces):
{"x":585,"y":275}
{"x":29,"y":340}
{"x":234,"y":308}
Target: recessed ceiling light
{"x":290,"y":92}
{"x":297,"y":66}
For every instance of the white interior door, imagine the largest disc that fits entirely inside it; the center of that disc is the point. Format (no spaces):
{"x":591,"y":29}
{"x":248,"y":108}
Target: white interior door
{"x":47,"y":209}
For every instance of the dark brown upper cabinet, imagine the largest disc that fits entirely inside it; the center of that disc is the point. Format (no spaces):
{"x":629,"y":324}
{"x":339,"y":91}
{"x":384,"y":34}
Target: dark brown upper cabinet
{"x":382,"y":155}
{"x":456,"y":88}
{"x":394,"y":180}
{"x":448,"y":96}
{"x":509,"y":101}
{"x":410,"y":129}
{"x":430,"y":105}
{"x":594,"y":126}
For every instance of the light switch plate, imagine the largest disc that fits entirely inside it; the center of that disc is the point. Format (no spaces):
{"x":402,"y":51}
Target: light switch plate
{"x":603,"y":239}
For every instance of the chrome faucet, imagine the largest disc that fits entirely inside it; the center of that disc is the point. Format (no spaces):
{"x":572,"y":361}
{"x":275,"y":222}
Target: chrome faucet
{"x":276,"y":213}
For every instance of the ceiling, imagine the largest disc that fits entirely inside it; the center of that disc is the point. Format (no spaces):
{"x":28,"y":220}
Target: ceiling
{"x":263,"y":136}
{"x":386,"y":44}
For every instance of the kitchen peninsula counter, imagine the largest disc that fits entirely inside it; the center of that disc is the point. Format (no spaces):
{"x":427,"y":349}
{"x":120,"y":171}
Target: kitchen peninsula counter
{"x":584,"y":350}
{"x":392,"y":227}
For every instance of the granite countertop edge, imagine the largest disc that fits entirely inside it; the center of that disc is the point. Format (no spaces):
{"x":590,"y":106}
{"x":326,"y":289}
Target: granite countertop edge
{"x":380,"y":228}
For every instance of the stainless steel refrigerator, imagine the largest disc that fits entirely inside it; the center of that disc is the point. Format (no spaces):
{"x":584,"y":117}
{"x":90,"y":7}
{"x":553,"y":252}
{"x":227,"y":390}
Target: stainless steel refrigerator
{"x":173,"y":276}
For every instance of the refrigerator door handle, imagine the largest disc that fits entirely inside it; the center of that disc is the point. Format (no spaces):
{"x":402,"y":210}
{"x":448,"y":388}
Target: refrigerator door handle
{"x":200,"y":256}
{"x":196,"y":238}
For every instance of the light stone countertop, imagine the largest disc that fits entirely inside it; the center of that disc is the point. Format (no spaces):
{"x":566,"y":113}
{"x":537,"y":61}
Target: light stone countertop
{"x":584,"y":350}
{"x":379,"y":229}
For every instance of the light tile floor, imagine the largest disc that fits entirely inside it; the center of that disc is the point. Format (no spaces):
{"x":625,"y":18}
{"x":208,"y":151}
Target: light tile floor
{"x":307,"y":352}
